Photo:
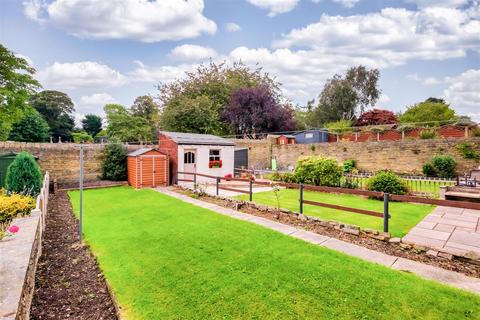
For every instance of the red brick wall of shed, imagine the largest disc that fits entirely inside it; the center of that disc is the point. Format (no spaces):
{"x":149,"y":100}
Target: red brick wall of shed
{"x":170,"y":148}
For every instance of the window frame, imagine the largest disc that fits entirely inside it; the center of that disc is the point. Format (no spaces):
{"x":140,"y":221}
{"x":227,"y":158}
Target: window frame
{"x":214,"y":157}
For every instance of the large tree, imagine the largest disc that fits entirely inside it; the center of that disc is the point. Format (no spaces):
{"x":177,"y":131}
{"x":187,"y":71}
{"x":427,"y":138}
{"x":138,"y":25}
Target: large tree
{"x":57,"y":109}
{"x":210,"y":88}
{"x":146,"y":108}
{"x":92,"y":124}
{"x":31,"y":128}
{"x":255,"y":110}
{"x":16,"y":85}
{"x":365,"y":84}
{"x":431,"y":110}
{"x":125,"y":127}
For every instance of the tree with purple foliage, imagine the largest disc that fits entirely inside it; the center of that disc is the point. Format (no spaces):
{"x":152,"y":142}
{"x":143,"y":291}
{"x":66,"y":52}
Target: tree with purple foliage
{"x":255,"y":110}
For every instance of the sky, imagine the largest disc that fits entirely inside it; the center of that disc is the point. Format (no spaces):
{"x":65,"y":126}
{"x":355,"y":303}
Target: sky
{"x":113,"y":51}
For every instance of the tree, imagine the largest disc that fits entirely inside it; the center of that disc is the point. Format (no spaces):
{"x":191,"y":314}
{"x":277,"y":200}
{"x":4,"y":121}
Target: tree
{"x":31,"y":128}
{"x":255,"y":110}
{"x":376,"y":117}
{"x":338,"y":101}
{"x":82,"y":137}
{"x":430,"y":110}
{"x":56,"y":108}
{"x":146,"y":108}
{"x":23,"y":175}
{"x":114,"y":165}
{"x":92,"y":124}
{"x":364,"y":82}
{"x":16,"y":85}
{"x":210,"y":88}
{"x":123,"y":126}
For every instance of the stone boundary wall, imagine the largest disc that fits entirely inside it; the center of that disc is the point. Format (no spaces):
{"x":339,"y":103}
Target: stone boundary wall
{"x":406,"y":156}
{"x":62,"y":159}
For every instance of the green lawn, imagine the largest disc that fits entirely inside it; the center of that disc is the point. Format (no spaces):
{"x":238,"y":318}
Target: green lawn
{"x":404,"y":216}
{"x":166,"y":259}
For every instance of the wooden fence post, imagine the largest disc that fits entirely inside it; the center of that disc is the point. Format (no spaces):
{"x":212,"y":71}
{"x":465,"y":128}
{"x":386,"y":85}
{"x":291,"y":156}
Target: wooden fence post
{"x":218,"y":181}
{"x":301,"y":198}
{"x":385,"y":211}
{"x":251,"y":190}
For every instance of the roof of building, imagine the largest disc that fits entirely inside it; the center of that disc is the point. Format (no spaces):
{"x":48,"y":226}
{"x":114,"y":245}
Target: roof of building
{"x":198,"y":139}
{"x":140,"y":151}
{"x":290,"y":136}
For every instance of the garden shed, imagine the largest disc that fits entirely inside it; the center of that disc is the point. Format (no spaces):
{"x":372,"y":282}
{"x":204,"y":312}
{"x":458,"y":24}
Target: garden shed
{"x":147,"y":167}
{"x":200,"y":153}
{"x":312,"y":136}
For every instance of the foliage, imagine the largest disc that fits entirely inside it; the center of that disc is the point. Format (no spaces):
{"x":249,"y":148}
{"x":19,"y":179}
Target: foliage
{"x":82,"y":137}
{"x":376,"y":117}
{"x":288,"y":177}
{"x":31,"y":128}
{"x":14,"y":205}
{"x":441,"y":166}
{"x":253,"y":110}
{"x":145,"y":107}
{"x":349,"y":165}
{"x":387,"y":181}
{"x":431,"y":110}
{"x":205,"y":93}
{"x":16,"y":85}
{"x":23,"y":175}
{"x":276,"y":192}
{"x":349,"y":183}
{"x":126,"y":127}
{"x":92,"y":124}
{"x":318,"y":171}
{"x":468,"y":150}
{"x":365,"y":83}
{"x":465,"y":121}
{"x":475,"y":132}
{"x":339,"y":126}
{"x":114,"y":165}
{"x":57,"y":109}
{"x":428,"y":134}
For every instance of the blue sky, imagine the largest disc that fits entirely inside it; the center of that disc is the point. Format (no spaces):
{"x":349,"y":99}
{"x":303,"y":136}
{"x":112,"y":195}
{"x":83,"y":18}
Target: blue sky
{"x":112,"y":51}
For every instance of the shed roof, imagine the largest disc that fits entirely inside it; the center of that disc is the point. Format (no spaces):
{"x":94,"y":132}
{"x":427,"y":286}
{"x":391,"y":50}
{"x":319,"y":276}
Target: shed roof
{"x":140,"y":151}
{"x":197,"y":139}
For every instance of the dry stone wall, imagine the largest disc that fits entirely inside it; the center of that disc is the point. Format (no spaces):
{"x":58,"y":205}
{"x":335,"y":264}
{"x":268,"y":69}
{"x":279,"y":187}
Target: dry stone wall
{"x":400,"y":156}
{"x":62,"y":159}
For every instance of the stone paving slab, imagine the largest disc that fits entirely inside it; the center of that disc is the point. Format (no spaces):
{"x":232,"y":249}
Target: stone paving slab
{"x":448,"y":229}
{"x":451,"y":278}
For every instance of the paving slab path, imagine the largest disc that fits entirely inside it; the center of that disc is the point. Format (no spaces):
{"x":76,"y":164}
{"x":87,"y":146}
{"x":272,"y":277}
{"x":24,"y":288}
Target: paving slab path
{"x":451,"y":230}
{"x":447,"y":277}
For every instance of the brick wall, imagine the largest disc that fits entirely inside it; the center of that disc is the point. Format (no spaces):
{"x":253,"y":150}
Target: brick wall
{"x":170,"y":148}
{"x":406,"y":156}
{"x":62,"y":159}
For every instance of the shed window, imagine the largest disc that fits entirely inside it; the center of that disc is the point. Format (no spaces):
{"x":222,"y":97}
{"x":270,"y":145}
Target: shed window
{"x":308,"y":135}
{"x":189,"y":157}
{"x":214,"y":155}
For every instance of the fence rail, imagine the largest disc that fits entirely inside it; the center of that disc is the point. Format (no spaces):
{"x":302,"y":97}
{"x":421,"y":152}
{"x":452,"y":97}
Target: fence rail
{"x":42,"y":198}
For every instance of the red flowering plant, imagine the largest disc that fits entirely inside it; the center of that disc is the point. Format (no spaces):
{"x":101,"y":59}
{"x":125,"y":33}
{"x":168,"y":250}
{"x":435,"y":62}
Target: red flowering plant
{"x":215,"y":164}
{"x":12,"y":230}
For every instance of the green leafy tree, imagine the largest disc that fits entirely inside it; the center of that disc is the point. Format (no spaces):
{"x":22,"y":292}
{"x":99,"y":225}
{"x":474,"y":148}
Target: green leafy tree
{"x":430,"y":110}
{"x":114,"y":165}
{"x":82,"y":137}
{"x":365,"y":84}
{"x":92,"y":124}
{"x":16,"y":85}
{"x":57,"y":109}
{"x":31,"y":128}
{"x":123,"y":126}
{"x":210,"y":88}
{"x":145,"y":107}
{"x":23,"y":175}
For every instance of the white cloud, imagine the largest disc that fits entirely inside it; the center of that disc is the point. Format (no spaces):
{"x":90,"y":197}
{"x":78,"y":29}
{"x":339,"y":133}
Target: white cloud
{"x":96,"y":99}
{"x":147,"y":21}
{"x":232,"y":27}
{"x":439,"y":3}
{"x":191,"y":52}
{"x":347,"y":3}
{"x":463,"y":93}
{"x":275,"y":7}
{"x":84,"y":74}
{"x":156,"y":74}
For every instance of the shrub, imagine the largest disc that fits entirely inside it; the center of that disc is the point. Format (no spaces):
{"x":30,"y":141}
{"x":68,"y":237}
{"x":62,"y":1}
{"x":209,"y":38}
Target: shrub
{"x":349,"y":165}
{"x":441,"y":166}
{"x":467,"y":150}
{"x":475,"y":132}
{"x":349,"y":183}
{"x":114,"y":166}
{"x":287,"y":177}
{"x":79,"y":137}
{"x":386,"y":181}
{"x":429,"y":170}
{"x":318,"y":171}
{"x":339,"y":126}
{"x":376,"y":117}
{"x":13,"y":206}
{"x":428,"y":134}
{"x":23,"y":175}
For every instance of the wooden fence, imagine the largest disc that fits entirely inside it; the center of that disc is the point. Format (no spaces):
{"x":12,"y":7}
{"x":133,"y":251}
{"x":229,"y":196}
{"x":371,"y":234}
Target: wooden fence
{"x":42,"y":198}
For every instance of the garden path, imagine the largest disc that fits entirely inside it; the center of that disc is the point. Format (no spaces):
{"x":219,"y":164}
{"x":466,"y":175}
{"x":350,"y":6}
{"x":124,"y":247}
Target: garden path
{"x":451,"y":278}
{"x":452,"y":230}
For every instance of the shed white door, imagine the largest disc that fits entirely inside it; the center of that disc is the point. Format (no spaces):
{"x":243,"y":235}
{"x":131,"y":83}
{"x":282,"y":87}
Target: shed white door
{"x":189,"y":162}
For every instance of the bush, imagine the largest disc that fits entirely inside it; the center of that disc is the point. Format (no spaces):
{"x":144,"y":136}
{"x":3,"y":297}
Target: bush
{"x":386,"y":181}
{"x":468,"y":150}
{"x":114,"y":166}
{"x":428,"y":134}
{"x":349,"y":165}
{"x":445,"y":166}
{"x":475,"y":132}
{"x":339,"y":126}
{"x":376,"y":117}
{"x":318,"y":171}
{"x":23,"y":175}
{"x":82,"y":137}
{"x":13,"y":206}
{"x":429,"y":170}
{"x":287,"y":177}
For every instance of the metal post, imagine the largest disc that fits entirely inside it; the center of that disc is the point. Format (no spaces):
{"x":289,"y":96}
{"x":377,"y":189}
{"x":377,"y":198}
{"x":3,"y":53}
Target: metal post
{"x":81,"y":192}
{"x":301,"y":198}
{"x":386,"y":197}
{"x":218,"y":182}
{"x":251,"y":189}
{"x":194,"y":181}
